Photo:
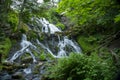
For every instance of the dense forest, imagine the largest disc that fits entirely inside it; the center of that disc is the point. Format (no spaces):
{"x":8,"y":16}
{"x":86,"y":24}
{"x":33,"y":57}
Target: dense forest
{"x":92,"y":25}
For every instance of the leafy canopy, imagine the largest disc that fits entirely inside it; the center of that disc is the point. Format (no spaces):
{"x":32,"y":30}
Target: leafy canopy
{"x":91,"y":12}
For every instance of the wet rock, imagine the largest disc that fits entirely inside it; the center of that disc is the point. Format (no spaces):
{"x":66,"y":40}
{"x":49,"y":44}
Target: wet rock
{"x":44,"y":78}
{"x":42,"y":69}
{"x":27,"y":60}
{"x":6,"y":63}
{"x":5,"y":77}
{"x":9,"y":69}
{"x":17,"y":75}
{"x":36,"y":79}
{"x":12,"y":67}
{"x":29,"y":76}
{"x":37,"y":67}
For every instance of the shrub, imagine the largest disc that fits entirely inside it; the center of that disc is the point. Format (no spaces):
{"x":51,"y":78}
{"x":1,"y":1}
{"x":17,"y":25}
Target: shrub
{"x":88,"y":43}
{"x":80,"y":67}
{"x":60,"y":25}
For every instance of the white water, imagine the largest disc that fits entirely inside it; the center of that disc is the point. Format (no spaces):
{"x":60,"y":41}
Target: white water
{"x":63,"y":44}
{"x":61,"y":53}
{"x":27,"y":70}
{"x":71,"y":43}
{"x":47,"y":27}
{"x":40,"y":1}
{"x":26,"y":46}
{"x":45,"y":48}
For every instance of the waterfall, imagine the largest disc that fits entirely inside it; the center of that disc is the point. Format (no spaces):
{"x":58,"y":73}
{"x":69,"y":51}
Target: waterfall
{"x":26,"y":48}
{"x":54,"y":44}
{"x":57,"y":46}
{"x":61,"y":44}
{"x":45,"y":48}
{"x":47,"y":27}
{"x":71,"y":43}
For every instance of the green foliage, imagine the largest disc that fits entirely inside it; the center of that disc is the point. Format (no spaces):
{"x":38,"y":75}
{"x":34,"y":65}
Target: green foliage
{"x":52,"y":16}
{"x":13,"y":20}
{"x":81,"y":67}
{"x":50,"y":57}
{"x":60,"y":25}
{"x":46,"y":0}
{"x":42,"y":56}
{"x":31,"y":35}
{"x":88,"y":43}
{"x":91,"y":14}
{"x":117,"y":18}
{"x":24,"y":28}
{"x":4,"y":9}
{"x":5,"y":48}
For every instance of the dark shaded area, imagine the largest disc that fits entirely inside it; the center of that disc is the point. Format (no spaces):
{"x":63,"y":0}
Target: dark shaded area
{"x":118,"y":76}
{"x":118,"y":1}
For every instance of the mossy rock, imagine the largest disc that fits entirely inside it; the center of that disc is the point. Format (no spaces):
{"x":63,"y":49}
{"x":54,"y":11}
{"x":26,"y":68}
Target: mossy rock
{"x":27,"y":60}
{"x":24,"y":27}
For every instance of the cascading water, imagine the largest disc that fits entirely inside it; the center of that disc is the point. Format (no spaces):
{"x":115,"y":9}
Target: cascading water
{"x":47,"y":27}
{"x":60,"y":44}
{"x":64,"y":46}
{"x":52,"y":43}
{"x":26,"y":46}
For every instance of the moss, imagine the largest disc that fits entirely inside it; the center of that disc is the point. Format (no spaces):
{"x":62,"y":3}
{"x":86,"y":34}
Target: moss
{"x":13,"y":20}
{"x":42,"y":56}
{"x":5,"y":48}
{"x":23,"y":27}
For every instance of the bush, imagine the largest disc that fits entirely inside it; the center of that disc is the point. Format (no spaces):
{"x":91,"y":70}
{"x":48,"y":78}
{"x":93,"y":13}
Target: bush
{"x":60,"y":25}
{"x":80,"y":67}
{"x":88,"y":43}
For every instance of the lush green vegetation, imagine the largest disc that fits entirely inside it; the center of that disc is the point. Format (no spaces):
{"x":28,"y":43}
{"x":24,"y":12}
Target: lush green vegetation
{"x":81,"y":67}
{"x":92,"y":15}
{"x":94,"y":24}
